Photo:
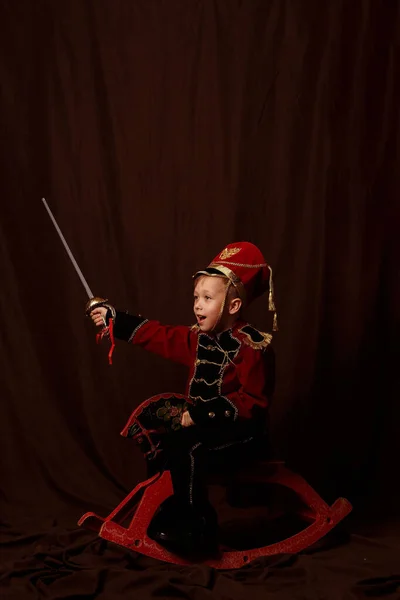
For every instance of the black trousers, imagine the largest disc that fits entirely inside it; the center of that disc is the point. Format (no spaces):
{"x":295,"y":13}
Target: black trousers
{"x":190,"y":453}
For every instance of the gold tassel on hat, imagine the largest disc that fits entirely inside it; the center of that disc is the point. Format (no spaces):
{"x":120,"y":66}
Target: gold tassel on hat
{"x":271,"y":302}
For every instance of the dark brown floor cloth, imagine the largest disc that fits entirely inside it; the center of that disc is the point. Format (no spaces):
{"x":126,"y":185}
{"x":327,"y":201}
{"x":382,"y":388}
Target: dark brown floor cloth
{"x":57,"y":561}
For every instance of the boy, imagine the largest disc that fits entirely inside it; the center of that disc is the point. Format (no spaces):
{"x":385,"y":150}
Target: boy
{"x":231,"y":380}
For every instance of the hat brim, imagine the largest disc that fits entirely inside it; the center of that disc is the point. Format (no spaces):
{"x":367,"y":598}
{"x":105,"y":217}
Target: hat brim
{"x":210,"y":271}
{"x":225,"y":273}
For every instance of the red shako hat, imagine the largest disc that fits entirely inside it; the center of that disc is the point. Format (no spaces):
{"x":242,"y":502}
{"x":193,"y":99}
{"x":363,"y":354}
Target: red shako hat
{"x":245,"y":267}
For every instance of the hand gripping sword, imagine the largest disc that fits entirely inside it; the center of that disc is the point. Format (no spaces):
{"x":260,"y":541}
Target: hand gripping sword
{"x":94,"y":301}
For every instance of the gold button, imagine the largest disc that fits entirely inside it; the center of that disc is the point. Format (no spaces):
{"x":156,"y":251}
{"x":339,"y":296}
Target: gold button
{"x":228,"y":413}
{"x":211,"y":415}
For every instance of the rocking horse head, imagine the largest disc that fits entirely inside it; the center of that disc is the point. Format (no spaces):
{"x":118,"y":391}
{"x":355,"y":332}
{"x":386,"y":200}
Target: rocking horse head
{"x":165,"y":409}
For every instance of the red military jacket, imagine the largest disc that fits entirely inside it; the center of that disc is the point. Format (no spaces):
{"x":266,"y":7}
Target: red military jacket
{"x":231,"y":375}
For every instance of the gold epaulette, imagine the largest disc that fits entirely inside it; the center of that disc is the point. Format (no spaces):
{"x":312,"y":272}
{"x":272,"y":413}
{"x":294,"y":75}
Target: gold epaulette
{"x":254,"y":338}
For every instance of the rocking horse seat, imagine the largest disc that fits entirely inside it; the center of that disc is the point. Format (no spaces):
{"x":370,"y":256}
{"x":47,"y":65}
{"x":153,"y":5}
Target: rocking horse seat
{"x":139,"y":507}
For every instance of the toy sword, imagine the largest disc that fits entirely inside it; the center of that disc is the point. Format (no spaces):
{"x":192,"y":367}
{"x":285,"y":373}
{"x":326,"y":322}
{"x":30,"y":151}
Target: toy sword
{"x":94,"y":301}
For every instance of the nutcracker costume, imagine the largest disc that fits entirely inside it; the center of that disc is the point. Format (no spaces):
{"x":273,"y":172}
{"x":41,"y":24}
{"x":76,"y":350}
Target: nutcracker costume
{"x":230,"y":382}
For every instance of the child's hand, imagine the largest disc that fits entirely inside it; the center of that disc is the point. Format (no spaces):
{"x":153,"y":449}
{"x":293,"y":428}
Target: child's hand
{"x":98,"y":316}
{"x":186,"y":420}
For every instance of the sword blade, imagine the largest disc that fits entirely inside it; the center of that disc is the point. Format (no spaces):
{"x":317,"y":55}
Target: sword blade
{"x":67,"y":248}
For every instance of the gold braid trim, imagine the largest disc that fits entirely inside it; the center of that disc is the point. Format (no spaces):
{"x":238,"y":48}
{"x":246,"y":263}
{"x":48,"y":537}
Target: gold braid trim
{"x":271,"y":302}
{"x":235,"y":264}
{"x":221,"y":310}
{"x":203,"y":361}
{"x":202,"y":380}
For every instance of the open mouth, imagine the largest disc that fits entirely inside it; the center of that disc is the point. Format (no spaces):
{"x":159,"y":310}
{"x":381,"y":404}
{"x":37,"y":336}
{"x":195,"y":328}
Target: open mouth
{"x":200,"y":318}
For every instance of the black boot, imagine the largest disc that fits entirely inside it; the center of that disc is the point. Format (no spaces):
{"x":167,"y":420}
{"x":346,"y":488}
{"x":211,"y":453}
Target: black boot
{"x":185,"y":529}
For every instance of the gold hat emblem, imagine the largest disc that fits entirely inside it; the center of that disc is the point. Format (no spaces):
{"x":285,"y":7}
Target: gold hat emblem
{"x":228,"y":252}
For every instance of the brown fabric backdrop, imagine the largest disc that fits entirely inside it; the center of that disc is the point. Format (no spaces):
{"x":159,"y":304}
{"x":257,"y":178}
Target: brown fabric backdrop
{"x":158,"y":132}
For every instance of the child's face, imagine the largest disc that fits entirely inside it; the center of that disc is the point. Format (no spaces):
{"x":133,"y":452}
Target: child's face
{"x":209,"y":294}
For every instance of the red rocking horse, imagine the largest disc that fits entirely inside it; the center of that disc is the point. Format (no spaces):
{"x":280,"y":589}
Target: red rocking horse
{"x":139,"y":507}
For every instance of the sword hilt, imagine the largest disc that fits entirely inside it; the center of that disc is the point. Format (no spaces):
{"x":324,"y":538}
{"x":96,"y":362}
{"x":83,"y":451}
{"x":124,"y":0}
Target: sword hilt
{"x":93,"y":303}
{"x":107,"y":330}
{"x":96,"y":302}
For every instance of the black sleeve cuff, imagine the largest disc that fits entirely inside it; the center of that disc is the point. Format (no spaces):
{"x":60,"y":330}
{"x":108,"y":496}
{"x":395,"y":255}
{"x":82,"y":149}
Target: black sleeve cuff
{"x":126,"y":325}
{"x":219,"y":411}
